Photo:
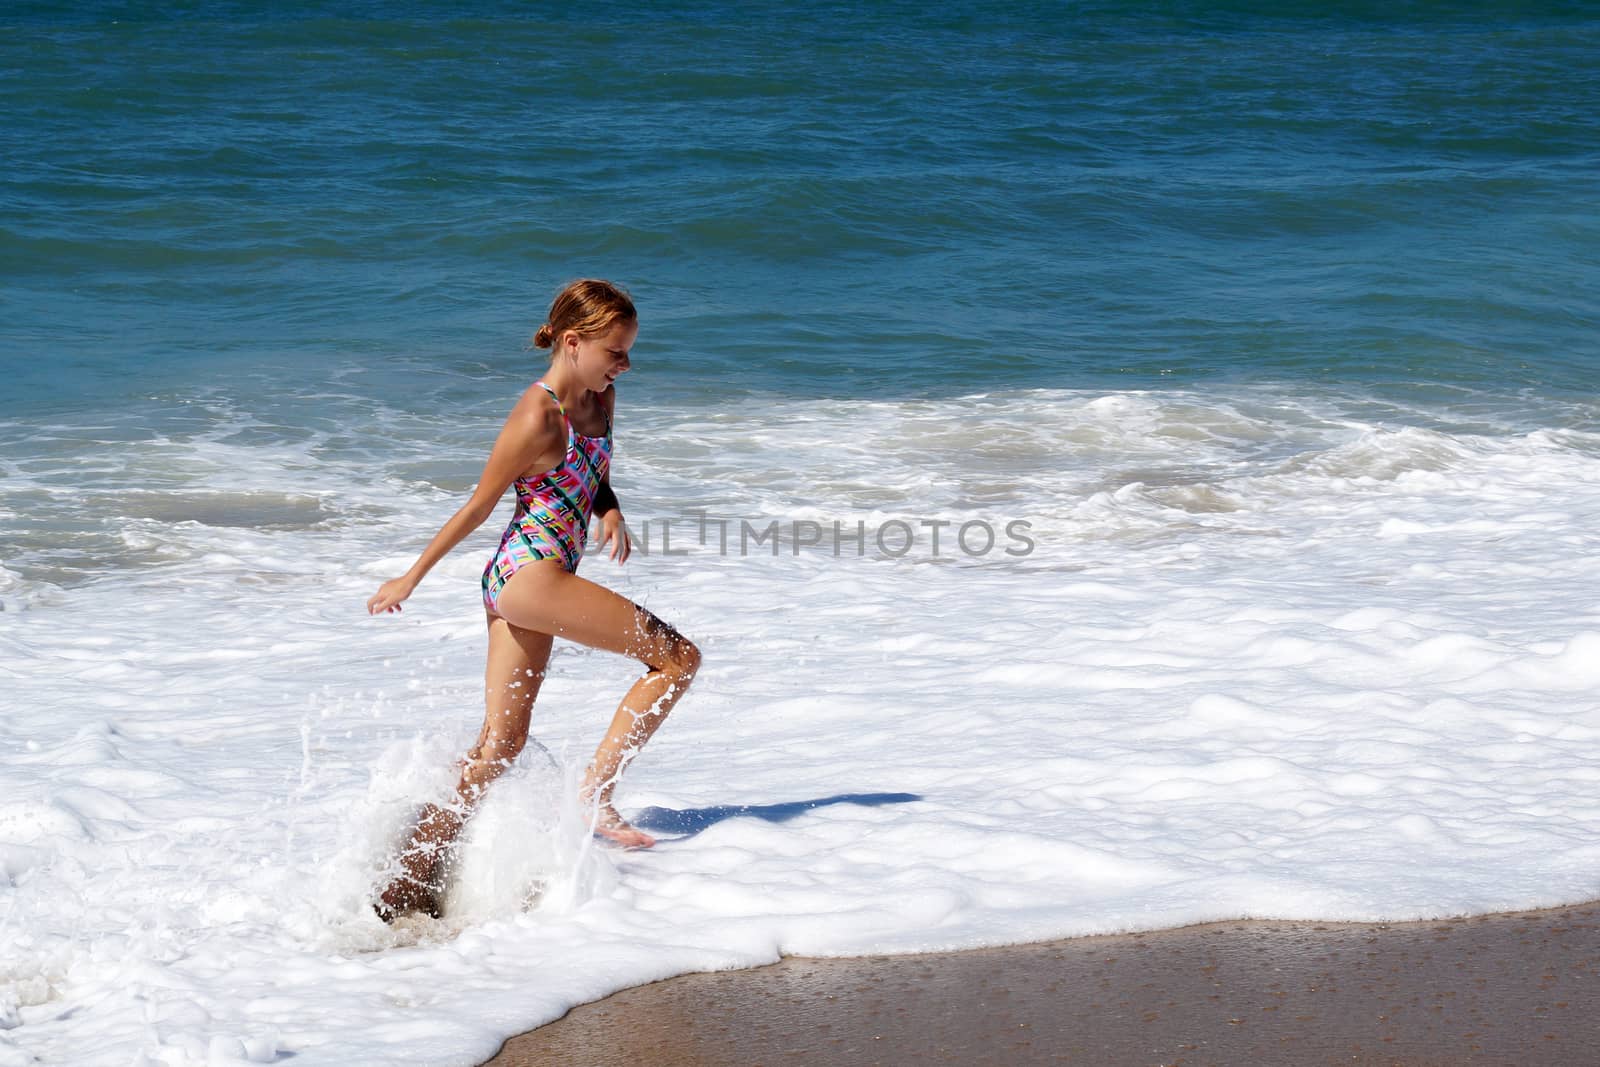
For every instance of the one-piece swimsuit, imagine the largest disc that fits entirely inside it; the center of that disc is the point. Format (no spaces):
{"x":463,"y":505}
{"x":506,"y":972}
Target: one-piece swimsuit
{"x":553,"y":510}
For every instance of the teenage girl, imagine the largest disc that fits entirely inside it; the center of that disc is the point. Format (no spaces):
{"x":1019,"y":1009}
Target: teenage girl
{"x":555,"y":448}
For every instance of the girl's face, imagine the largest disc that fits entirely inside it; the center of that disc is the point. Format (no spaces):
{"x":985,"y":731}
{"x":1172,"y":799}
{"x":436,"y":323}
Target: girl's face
{"x":599,"y":359}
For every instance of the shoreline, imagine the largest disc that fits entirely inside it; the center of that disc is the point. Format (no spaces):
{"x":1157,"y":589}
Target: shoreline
{"x":1511,"y":987}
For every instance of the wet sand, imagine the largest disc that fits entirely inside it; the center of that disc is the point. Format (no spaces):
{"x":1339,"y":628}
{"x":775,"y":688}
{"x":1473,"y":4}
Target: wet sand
{"x":1520,"y":988}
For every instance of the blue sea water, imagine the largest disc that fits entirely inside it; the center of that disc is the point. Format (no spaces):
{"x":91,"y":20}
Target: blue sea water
{"x":892,"y":198}
{"x":294,"y":217}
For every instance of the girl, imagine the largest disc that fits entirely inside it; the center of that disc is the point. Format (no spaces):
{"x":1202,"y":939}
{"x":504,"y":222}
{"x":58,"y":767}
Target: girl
{"x":556,"y":449}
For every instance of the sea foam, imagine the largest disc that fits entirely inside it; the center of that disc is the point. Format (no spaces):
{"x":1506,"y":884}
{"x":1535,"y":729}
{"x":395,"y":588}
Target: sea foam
{"x":1265,"y":658}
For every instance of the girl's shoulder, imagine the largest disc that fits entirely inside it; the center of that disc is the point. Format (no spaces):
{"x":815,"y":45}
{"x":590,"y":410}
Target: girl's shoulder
{"x":538,"y":411}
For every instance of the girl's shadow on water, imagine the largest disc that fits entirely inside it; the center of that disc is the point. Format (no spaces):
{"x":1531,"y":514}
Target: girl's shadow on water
{"x":690,"y":821}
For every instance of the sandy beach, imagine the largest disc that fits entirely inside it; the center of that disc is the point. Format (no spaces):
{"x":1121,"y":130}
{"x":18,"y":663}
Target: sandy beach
{"x":1516,"y":988}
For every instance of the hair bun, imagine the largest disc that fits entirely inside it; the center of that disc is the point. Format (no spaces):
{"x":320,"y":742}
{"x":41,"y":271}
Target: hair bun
{"x":587,"y":307}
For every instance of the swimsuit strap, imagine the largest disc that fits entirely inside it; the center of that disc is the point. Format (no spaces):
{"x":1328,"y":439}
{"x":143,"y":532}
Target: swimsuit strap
{"x":557,"y":399}
{"x":571,"y":429}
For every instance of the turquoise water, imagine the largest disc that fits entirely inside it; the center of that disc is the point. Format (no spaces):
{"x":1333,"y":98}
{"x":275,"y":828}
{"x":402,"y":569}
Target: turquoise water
{"x":891,"y":201}
{"x":230,"y":236}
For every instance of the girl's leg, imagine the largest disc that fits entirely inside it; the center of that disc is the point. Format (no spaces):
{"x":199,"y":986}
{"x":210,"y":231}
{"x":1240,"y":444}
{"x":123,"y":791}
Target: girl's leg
{"x":550,"y":600}
{"x":511,"y":679}
{"x":515,"y":667}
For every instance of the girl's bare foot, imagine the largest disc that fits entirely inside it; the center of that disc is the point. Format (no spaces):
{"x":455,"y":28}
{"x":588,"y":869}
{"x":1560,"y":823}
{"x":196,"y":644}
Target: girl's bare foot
{"x":404,"y":896}
{"x":416,"y":888}
{"x":608,"y":822}
{"x":611,"y":826}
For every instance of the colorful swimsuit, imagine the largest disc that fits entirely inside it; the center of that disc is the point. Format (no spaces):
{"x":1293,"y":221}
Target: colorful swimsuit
{"x":553,"y":510}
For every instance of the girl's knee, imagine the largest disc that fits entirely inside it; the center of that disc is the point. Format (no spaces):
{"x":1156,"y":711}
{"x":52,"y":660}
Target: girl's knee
{"x":683,"y":657}
{"x":672,"y":653}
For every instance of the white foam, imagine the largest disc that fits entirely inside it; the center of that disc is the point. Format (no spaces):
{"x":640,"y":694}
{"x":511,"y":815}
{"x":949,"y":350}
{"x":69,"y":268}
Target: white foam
{"x":1264,"y":660}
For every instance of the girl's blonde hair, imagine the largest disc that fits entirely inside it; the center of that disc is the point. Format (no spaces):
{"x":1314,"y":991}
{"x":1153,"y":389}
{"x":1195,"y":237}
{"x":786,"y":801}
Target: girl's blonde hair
{"x":587,"y":307}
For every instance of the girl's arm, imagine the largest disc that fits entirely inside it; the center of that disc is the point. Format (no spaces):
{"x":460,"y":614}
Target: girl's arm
{"x":532,"y":432}
{"x":613,"y":530}
{"x":604,"y":498}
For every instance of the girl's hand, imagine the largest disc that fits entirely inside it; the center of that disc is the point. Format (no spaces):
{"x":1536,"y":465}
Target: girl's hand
{"x":389,"y":595}
{"x":614,"y":532}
